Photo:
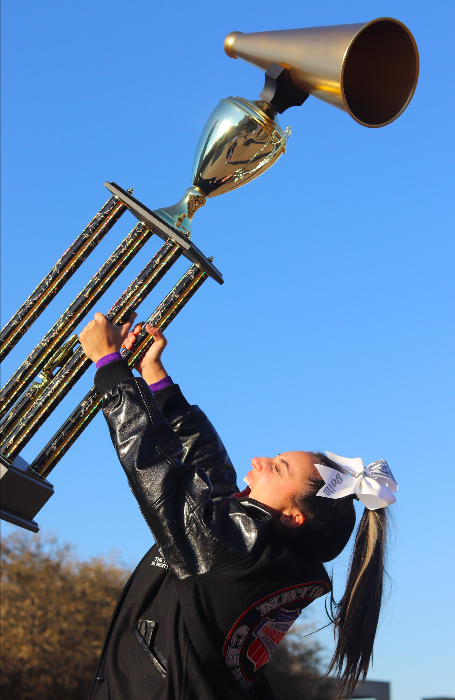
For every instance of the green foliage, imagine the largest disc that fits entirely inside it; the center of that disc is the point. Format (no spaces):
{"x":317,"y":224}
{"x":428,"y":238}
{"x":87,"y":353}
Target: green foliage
{"x":55,"y":611}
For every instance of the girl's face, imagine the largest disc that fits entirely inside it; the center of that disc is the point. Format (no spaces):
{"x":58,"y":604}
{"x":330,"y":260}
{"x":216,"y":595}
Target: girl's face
{"x":275,"y":482}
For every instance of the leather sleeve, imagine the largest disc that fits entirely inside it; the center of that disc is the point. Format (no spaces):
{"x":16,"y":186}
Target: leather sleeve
{"x":202,"y":445}
{"x":195,"y":533}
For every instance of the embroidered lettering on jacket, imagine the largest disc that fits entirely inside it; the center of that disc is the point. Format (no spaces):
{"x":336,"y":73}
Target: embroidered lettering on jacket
{"x":161,"y":562}
{"x":258,"y":631}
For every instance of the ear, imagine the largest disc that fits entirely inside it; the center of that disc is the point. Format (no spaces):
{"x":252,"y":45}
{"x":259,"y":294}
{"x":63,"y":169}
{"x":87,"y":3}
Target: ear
{"x":295,"y":519}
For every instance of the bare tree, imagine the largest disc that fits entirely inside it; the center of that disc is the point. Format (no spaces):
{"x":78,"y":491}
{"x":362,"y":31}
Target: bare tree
{"x":296,"y":669}
{"x":55,"y":612}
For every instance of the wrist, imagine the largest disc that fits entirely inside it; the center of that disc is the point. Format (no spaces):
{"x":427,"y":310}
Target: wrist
{"x":107,"y":359}
{"x":102,"y":352}
{"x":153,"y":373}
{"x":162,"y":384}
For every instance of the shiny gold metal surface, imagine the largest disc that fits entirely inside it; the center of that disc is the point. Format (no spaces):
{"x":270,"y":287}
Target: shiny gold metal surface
{"x":240,"y":140}
{"x":181,"y":214}
{"x":229,"y":44}
{"x":369,"y":70}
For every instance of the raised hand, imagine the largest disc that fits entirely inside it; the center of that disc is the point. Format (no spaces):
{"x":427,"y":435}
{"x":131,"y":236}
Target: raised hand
{"x":100,"y":337}
{"x":150,"y":367}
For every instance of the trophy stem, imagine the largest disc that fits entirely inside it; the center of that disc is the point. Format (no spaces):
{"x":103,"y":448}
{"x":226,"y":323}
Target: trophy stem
{"x":180,"y":215}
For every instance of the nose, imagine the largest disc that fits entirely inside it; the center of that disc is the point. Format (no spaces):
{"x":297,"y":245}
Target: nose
{"x":258,"y":463}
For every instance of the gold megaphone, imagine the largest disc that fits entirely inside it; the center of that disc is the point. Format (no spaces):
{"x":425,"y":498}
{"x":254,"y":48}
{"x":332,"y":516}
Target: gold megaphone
{"x":369,"y":70}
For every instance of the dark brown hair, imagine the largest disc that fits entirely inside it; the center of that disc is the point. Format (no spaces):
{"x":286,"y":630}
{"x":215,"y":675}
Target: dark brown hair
{"x":328,"y":526}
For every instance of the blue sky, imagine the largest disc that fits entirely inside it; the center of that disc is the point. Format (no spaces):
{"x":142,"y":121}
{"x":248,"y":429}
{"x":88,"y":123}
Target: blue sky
{"x":334,"y":328}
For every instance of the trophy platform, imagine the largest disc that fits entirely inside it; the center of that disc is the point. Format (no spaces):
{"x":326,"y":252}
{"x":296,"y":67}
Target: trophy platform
{"x":165,"y":231}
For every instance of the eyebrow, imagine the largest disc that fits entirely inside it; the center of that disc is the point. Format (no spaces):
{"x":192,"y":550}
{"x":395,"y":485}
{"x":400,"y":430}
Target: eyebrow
{"x":283,"y":461}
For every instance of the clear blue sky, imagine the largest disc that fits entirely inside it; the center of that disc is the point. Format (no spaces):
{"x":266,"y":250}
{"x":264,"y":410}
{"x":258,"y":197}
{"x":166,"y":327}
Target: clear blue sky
{"x":334,"y":328}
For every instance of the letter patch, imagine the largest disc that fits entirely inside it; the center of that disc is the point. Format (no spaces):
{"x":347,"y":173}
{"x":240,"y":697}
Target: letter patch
{"x":258,"y":631}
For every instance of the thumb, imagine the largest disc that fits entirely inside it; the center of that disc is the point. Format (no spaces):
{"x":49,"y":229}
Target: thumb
{"x":126,"y":326}
{"x":155,"y":333}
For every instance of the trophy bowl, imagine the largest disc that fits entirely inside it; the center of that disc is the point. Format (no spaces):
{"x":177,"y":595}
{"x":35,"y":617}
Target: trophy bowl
{"x":240,"y":140}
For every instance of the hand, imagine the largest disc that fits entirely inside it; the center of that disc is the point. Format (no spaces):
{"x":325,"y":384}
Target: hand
{"x":150,"y":367}
{"x":100,"y":337}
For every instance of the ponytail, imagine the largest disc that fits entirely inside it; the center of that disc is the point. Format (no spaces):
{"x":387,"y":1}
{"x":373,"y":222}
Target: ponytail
{"x":323,"y":536}
{"x":356,"y":616}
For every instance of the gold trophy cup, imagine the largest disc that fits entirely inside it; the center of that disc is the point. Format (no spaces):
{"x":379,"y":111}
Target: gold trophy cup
{"x":369,"y":70}
{"x":240,"y":140}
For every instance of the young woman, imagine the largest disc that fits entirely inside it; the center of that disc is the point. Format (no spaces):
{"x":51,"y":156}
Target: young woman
{"x":230,"y":571}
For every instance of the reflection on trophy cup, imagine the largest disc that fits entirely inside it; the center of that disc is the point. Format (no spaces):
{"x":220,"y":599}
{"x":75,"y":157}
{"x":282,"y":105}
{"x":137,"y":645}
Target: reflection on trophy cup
{"x":240,"y":140}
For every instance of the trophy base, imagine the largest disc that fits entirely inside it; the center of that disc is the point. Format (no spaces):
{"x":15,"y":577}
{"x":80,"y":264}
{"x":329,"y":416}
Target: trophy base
{"x":22,"y":493}
{"x":165,"y":231}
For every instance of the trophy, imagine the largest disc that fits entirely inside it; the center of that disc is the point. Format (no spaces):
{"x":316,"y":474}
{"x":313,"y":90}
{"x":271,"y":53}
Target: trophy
{"x":368,"y":70}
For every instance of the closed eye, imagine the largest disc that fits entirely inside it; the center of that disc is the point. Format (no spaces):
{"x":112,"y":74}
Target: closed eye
{"x":276,"y":469}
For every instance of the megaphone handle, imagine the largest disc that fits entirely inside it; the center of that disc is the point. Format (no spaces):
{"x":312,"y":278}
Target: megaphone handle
{"x":279,"y":91}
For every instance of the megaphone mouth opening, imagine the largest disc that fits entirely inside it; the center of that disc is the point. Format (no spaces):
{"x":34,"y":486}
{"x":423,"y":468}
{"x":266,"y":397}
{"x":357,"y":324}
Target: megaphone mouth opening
{"x":380,"y":72}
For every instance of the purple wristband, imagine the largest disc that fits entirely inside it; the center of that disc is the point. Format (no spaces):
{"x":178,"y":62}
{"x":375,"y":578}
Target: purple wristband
{"x":108,"y":358}
{"x":166,"y":381}
{"x":161,"y":384}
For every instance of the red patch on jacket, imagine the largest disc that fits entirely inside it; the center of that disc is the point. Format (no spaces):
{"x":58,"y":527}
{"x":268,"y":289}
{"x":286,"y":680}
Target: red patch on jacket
{"x":258,"y":631}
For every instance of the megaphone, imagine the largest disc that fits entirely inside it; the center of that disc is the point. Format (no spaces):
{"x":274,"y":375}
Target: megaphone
{"x":369,"y":70}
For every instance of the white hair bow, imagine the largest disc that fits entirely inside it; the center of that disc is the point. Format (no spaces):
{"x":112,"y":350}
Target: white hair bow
{"x":374,"y":485}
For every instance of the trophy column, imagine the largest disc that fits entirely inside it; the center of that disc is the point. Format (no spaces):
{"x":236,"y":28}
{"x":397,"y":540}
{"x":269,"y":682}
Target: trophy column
{"x":58,"y":360}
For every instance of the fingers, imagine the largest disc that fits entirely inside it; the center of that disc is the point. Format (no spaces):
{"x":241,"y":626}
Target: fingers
{"x":98,"y":318}
{"x":156,"y":333}
{"x":99,"y":338}
{"x":91,"y":325}
{"x":132,"y":336}
{"x":129,"y":342}
{"x":126,"y":326}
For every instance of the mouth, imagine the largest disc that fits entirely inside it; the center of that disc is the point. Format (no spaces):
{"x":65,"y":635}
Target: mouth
{"x":243,"y":494}
{"x":246,"y":492}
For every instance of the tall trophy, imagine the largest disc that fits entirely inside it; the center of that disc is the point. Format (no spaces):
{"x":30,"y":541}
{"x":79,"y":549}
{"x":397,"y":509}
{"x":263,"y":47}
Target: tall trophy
{"x":368,"y":70}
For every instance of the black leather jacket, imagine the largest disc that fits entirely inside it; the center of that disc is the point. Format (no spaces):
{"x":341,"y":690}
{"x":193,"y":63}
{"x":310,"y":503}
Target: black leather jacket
{"x":212,"y":599}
